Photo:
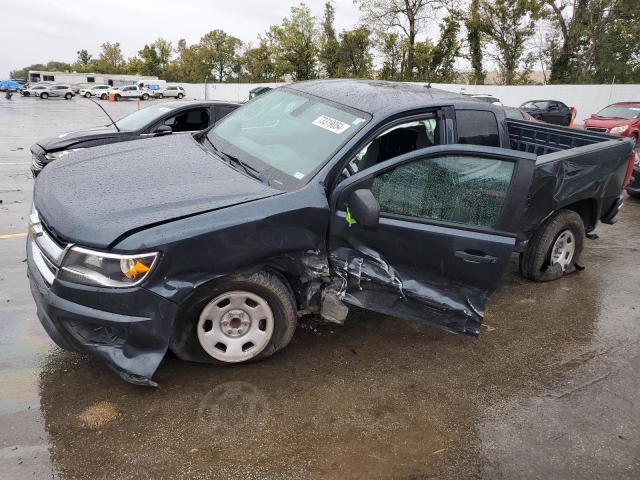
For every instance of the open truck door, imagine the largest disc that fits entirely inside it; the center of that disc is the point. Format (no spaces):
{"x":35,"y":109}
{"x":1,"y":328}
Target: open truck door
{"x":426,"y":236}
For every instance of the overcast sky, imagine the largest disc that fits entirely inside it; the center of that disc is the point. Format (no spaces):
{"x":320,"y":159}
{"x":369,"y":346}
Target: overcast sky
{"x":37,"y":31}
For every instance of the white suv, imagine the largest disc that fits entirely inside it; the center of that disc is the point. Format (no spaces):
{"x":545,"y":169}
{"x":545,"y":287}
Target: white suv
{"x":94,"y":91}
{"x":170,"y":91}
{"x":129,"y":91}
{"x":62,"y":91}
{"x":34,"y":90}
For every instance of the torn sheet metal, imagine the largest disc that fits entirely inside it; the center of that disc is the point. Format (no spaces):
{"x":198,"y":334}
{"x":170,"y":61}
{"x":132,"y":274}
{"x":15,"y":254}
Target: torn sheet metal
{"x":368,"y":280}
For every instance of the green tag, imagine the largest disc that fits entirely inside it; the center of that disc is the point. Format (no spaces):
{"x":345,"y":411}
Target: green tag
{"x":350,"y":218}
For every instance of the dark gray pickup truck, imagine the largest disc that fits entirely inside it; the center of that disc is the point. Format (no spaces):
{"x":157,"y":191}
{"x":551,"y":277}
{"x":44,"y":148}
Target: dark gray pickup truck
{"x":311,"y":198}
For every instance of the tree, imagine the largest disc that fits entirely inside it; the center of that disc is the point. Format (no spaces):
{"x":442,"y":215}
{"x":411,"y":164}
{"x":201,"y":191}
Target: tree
{"x":260,"y":62}
{"x":296,"y":48}
{"x":164,"y":50}
{"x":84,"y":58}
{"x":110,"y":59}
{"x":509,"y":25}
{"x":355,"y":53}
{"x":329,"y":46}
{"x":409,"y":16}
{"x":149,"y":63}
{"x":190,"y":65}
{"x":220,"y":52}
{"x":392,"y":53}
{"x":474,"y":39}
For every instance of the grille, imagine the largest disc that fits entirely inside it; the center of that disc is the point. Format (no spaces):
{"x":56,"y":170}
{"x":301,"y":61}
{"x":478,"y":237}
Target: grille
{"x":47,"y":253}
{"x":597,"y":129}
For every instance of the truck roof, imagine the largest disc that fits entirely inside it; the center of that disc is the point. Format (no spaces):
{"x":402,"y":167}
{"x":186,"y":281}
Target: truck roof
{"x":378,"y":97}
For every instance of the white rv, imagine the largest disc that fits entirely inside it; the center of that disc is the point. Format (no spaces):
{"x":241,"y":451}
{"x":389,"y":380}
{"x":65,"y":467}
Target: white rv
{"x":89,"y":79}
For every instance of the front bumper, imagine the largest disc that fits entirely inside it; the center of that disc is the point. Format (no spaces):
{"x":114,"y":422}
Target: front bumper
{"x":129,"y":329}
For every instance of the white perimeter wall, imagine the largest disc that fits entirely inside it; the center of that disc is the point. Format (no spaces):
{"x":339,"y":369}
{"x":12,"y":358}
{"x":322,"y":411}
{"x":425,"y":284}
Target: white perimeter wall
{"x":587,"y":99}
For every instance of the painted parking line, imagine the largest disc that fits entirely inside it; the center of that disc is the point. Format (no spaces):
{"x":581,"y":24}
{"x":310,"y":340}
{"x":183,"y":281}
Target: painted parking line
{"x":13,"y":235}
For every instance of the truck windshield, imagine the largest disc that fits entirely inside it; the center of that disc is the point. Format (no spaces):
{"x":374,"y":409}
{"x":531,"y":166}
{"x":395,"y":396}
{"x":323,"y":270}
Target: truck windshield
{"x":289,"y":132}
{"x":142,"y":118}
{"x":620,"y":111}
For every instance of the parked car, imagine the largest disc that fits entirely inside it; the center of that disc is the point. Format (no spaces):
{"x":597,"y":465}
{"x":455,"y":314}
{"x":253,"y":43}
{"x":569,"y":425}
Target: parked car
{"x":10,"y":86}
{"x":105,"y":95}
{"x":34,"y":90}
{"x":175,"y":91}
{"x":94,"y":91}
{"x":484,"y":98}
{"x":57,"y":91}
{"x":153,"y":121}
{"x":129,"y":91}
{"x":633,"y":188}
{"x":258,"y":91}
{"x":550,"y":111}
{"x":313,"y":197}
{"x":518,"y":114}
{"x":621,"y":119}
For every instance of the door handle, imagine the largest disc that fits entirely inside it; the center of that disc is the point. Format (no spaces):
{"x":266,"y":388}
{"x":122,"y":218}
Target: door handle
{"x":475,"y":257}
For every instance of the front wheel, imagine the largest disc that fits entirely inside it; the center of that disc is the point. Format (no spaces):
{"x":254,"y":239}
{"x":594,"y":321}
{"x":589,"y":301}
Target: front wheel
{"x":160,"y":95}
{"x":118,"y":97}
{"x":44,"y":95}
{"x":555,"y":249}
{"x":103,"y":96}
{"x":87,"y":95}
{"x":145,"y":96}
{"x":68,"y":96}
{"x":180,"y":96}
{"x":243,"y":318}
{"x":26,"y":94}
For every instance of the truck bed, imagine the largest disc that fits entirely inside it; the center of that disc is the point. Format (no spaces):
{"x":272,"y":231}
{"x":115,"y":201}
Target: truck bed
{"x":580,"y":170}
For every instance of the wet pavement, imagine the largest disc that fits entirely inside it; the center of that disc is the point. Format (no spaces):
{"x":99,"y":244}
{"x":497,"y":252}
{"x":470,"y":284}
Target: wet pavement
{"x":550,"y":390}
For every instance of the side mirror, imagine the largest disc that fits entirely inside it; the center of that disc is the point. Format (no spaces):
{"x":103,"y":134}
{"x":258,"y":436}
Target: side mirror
{"x":163,"y":130}
{"x":364,"y":208}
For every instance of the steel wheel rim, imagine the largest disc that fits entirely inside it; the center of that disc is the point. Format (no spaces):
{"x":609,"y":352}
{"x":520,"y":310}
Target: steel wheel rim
{"x":563,"y":249}
{"x":235,"y":326}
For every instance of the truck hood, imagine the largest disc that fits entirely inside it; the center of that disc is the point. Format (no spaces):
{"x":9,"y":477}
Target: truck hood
{"x":93,"y":197}
{"x":69,"y":139}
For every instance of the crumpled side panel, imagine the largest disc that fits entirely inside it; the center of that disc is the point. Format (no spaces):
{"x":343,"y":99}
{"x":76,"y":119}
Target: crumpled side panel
{"x":367,"y":279}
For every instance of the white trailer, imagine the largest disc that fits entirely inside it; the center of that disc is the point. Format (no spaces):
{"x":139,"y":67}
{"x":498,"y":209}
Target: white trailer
{"x":87,"y":79}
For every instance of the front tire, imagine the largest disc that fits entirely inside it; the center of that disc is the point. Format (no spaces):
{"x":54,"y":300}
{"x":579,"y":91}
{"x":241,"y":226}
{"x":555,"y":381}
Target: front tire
{"x":243,"y":318}
{"x":145,"y":96}
{"x":87,"y":95}
{"x":103,"y":96}
{"x":180,"y":96}
{"x":555,"y":248}
{"x":118,"y":97}
{"x":44,"y":96}
{"x":68,"y":96}
{"x":160,"y":96}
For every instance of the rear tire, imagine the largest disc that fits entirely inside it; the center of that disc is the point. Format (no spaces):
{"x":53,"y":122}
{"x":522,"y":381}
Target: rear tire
{"x":26,"y":94}
{"x":537,"y":261}
{"x":44,"y":96}
{"x":185,"y":341}
{"x":103,"y":96}
{"x":118,"y":97}
{"x":145,"y":96}
{"x":68,"y":96}
{"x":160,"y":96}
{"x":180,"y":96}
{"x":87,"y":95}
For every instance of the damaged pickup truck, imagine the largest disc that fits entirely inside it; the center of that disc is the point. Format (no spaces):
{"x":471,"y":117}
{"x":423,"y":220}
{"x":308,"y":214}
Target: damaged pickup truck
{"x":314,"y":197}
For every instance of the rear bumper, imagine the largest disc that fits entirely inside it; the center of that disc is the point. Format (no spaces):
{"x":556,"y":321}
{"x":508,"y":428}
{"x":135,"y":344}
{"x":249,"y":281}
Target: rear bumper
{"x":129,"y":328}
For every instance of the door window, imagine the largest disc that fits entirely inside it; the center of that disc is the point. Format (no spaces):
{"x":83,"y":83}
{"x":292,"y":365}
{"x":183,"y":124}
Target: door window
{"x":397,"y":140}
{"x":189,"y":121}
{"x":477,"y":127}
{"x":467,"y":190}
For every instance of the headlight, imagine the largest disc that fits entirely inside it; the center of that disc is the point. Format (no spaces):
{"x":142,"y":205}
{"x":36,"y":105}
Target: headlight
{"x":89,"y":267}
{"x":620,"y":129}
{"x":60,"y":154}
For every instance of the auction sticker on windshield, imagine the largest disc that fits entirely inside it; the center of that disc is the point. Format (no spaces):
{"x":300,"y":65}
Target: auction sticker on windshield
{"x":331,"y":124}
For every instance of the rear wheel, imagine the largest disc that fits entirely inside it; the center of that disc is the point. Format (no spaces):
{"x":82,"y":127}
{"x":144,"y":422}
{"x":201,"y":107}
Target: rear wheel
{"x":118,"y":97}
{"x":87,"y":95}
{"x":145,"y":96}
{"x":103,"y":96}
{"x":180,"y":96}
{"x":555,"y":249}
{"x":67,"y":96}
{"x":44,"y":95}
{"x":26,"y":94}
{"x":244,"y":318}
{"x":160,"y":95}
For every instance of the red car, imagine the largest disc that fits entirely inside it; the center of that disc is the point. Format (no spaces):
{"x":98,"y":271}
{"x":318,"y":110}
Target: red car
{"x":622,"y":119}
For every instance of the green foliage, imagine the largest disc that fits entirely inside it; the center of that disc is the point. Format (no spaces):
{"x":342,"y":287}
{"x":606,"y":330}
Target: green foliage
{"x":259,"y":62}
{"x":474,"y":39}
{"x":110,"y":59}
{"x":296,"y":44}
{"x":220,"y":52}
{"x":393,"y":54}
{"x":354,"y":53}
{"x":329,"y":55}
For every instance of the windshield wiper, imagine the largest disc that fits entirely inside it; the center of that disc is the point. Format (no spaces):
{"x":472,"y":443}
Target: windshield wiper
{"x":231,"y":160}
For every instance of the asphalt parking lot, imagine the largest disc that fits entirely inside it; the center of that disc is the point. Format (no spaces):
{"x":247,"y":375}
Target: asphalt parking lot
{"x":550,"y":390}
